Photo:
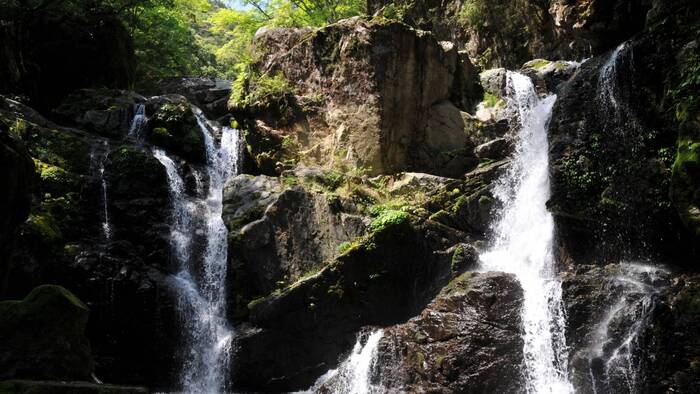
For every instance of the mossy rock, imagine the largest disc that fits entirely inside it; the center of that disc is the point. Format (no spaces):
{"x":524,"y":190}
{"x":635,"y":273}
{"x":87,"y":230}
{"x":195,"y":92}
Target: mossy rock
{"x":44,"y":336}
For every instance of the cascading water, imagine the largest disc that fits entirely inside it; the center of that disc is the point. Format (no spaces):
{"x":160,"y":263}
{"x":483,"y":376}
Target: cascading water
{"x":522,"y":243}
{"x":136,"y":129}
{"x":354,"y":375}
{"x":200,"y":283}
{"x":614,"y":360}
{"x":98,"y":160}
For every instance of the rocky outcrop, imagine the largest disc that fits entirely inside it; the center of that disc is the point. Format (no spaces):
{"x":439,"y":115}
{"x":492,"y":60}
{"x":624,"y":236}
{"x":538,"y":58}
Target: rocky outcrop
{"x":613,"y":136}
{"x":368,"y":94}
{"x":209,"y":94}
{"x":507,"y":34}
{"x":381,"y":279}
{"x":43,"y":337}
{"x":282,"y":232}
{"x":469,"y":339}
{"x":63,"y":240}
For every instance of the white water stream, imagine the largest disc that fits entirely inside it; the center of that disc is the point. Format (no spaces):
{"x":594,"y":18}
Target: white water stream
{"x":354,"y":374}
{"x":522,"y":243}
{"x":200,"y":283}
{"x":98,"y":158}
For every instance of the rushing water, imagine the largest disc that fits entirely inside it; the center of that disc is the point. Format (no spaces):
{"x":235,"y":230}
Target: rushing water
{"x":522,"y":243}
{"x":200,"y":283}
{"x":354,"y":374}
{"x":137,"y":124}
{"x":98,"y":158}
{"x":615,"y":363}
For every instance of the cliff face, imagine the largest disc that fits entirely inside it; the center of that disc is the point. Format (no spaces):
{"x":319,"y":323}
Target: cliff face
{"x":370,"y":185}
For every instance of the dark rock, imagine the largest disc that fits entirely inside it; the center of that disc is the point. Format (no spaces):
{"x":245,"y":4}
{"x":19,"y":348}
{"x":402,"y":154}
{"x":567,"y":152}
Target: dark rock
{"x":209,"y":94}
{"x":49,"y":387}
{"x":384,"y":279}
{"x":281,"y":233}
{"x":43,"y":336}
{"x":469,"y":339}
{"x":497,"y":149}
{"x":612,"y":138}
{"x":102,"y":111}
{"x":49,"y":52}
{"x":173,"y":126}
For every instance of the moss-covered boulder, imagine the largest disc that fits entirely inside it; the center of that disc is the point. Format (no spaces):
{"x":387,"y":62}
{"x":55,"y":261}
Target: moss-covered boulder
{"x":174,"y":126}
{"x":43,"y":336}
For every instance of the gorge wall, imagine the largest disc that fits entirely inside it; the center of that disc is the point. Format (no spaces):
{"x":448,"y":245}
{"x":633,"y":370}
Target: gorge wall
{"x":368,"y":193}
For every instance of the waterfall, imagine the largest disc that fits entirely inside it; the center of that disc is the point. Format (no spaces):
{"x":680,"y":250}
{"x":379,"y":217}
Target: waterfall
{"x":136,"y":129}
{"x":200,"y":282}
{"x":614,"y":360}
{"x":97,"y":162}
{"x":354,"y":375}
{"x":522,"y":243}
{"x":607,"y":79}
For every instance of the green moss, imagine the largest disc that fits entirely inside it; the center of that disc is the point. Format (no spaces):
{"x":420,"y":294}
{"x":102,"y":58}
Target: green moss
{"x":162,"y":132}
{"x":492,"y":101}
{"x":458,"y":285}
{"x":471,"y":14}
{"x":387,"y":219}
{"x":538,"y":64}
{"x":250,"y":88}
{"x":45,"y":225}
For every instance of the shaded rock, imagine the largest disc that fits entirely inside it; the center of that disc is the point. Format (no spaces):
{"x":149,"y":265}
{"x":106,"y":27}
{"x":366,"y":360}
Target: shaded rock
{"x":382,"y":279}
{"x":43,"y":336}
{"x":209,"y":94}
{"x":280,"y":233}
{"x":173,"y":125}
{"x":49,"y":387}
{"x":547,"y":75}
{"x":411,"y":182}
{"x":105,"y":112}
{"x":497,"y":149}
{"x":362,"y":96}
{"x":469,"y":339}
{"x":612,"y":138}
{"x":50,"y":51}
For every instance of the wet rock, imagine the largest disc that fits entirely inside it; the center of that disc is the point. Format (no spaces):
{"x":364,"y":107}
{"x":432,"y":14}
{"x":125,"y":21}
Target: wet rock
{"x":382,"y":279}
{"x":102,"y":111}
{"x":43,"y":336}
{"x":494,"y":81}
{"x":469,"y":339}
{"x":172,"y":125}
{"x":209,"y":94}
{"x":611,"y":149}
{"x":548,"y":75}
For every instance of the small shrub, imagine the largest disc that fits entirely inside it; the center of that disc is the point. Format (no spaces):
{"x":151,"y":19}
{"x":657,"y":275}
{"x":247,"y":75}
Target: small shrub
{"x":388,"y":219}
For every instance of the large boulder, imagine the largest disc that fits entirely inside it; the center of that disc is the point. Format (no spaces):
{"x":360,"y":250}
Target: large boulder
{"x":43,"y":336}
{"x":469,"y":339}
{"x":369,"y":94}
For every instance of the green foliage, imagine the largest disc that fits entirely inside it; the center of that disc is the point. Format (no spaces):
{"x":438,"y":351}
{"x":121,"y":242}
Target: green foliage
{"x":388,"y":218}
{"x":471,"y":14}
{"x":251,"y":88}
{"x":491,"y":100}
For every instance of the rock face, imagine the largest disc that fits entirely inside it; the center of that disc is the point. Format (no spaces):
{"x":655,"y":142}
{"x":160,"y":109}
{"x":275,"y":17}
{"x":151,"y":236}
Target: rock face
{"x":372,"y":95}
{"x":288,"y":232}
{"x":507,"y":34}
{"x":64,"y":241}
{"x":43,"y":336}
{"x":468,"y":339}
{"x":612,"y":144}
